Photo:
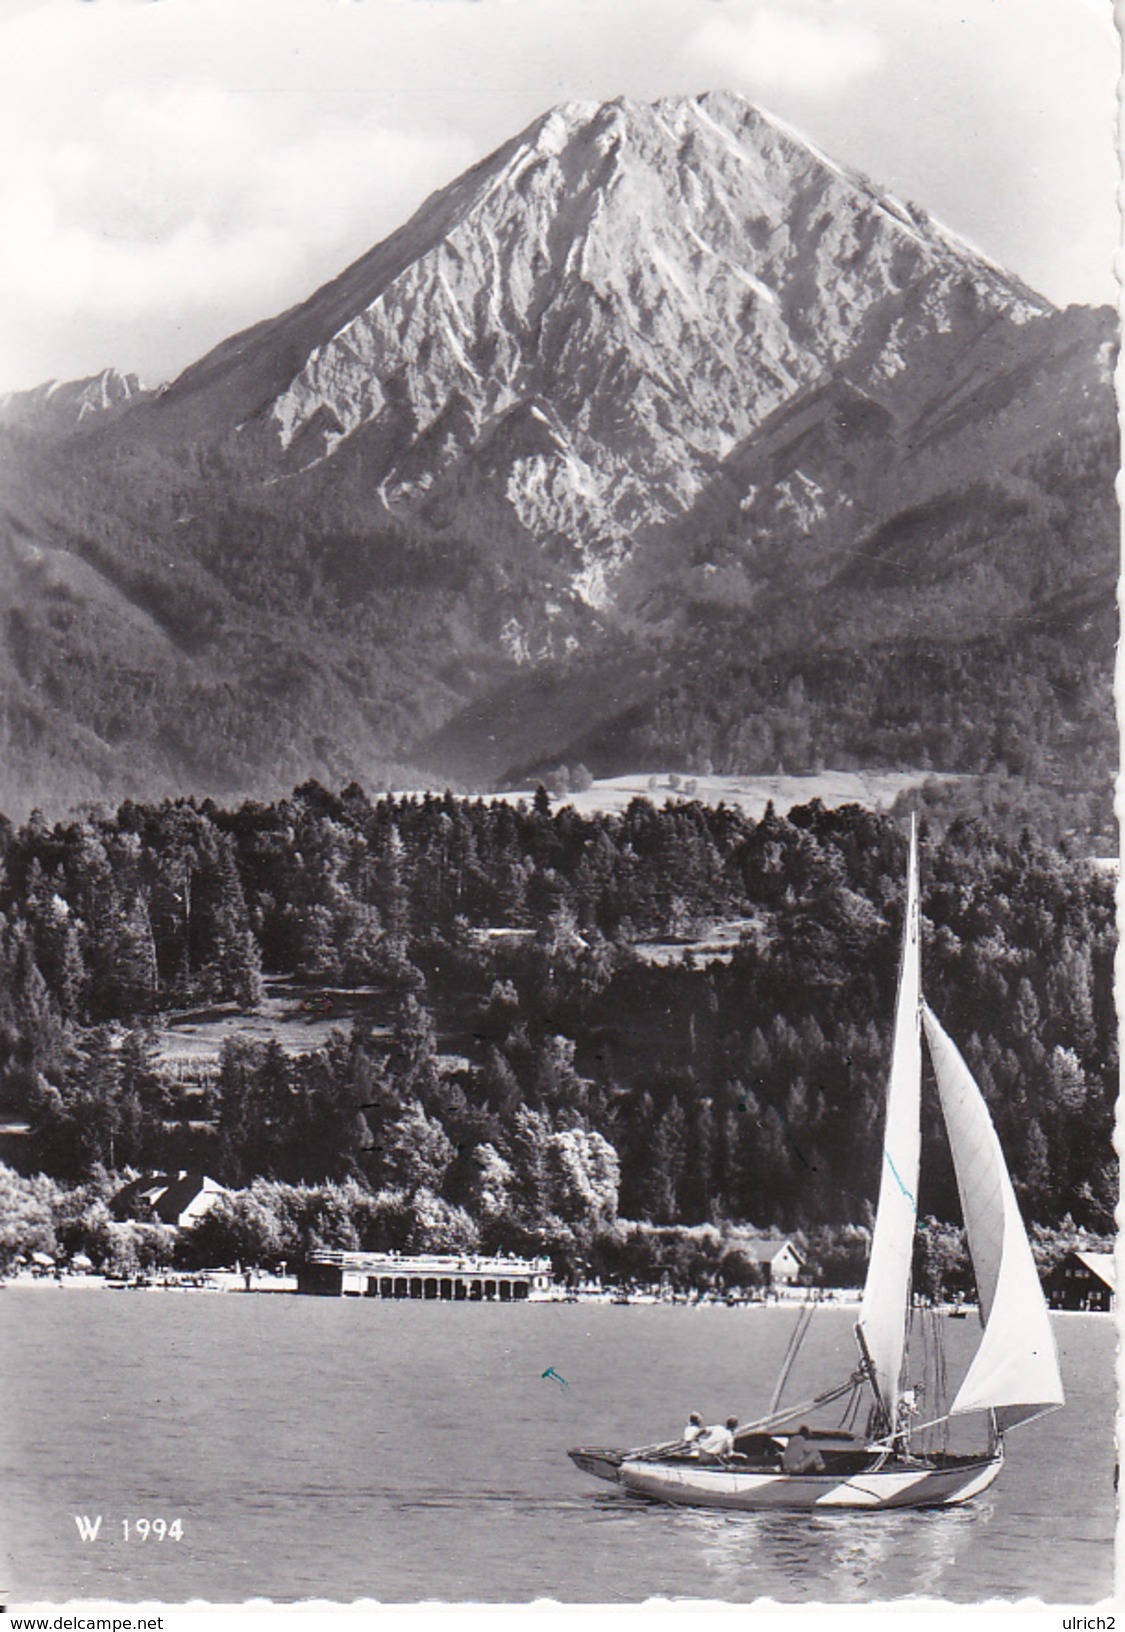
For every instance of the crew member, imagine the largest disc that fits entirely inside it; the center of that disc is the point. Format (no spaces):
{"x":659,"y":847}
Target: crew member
{"x":800,"y":1455}
{"x":717,"y":1442}
{"x":907,"y":1411}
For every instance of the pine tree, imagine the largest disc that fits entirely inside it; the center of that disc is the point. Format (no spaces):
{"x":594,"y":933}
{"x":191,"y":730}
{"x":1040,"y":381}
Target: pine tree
{"x":699,"y":1191}
{"x":224,"y":950}
{"x":417,"y":1152}
{"x":667,"y":1157}
{"x":143,"y":1102}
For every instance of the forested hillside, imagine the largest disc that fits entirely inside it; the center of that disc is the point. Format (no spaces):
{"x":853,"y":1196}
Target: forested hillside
{"x":553,"y":1052}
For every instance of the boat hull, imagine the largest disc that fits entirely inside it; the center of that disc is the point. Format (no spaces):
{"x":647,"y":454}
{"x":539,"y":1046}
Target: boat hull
{"x":599,"y":1464}
{"x":879,"y":1489}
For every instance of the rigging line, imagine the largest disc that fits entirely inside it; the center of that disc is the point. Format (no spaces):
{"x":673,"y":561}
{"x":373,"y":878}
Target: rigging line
{"x":646,"y":1453}
{"x":796,"y":1338}
{"x":666,"y":1447}
{"x":914,"y":1428}
{"x":938,"y":1396}
{"x":947,"y":1416}
{"x":923,"y":1324}
{"x":773,"y":1418}
{"x":941,"y":1395}
{"x":851,"y":1409}
{"x":931,"y":1338}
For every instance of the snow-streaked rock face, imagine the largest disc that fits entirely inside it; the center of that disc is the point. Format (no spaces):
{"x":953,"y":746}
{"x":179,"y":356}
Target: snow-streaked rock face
{"x":62,"y":406}
{"x":660,"y":279}
{"x":726,"y":260}
{"x":559,"y":356}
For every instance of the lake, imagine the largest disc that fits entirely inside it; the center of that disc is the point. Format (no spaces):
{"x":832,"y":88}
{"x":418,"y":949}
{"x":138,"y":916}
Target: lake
{"x":345,"y":1448}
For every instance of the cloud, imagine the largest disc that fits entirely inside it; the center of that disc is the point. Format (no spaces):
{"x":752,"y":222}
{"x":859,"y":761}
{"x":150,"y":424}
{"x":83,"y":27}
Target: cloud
{"x":789,"y":51}
{"x":186,"y":194}
{"x":166,"y":196}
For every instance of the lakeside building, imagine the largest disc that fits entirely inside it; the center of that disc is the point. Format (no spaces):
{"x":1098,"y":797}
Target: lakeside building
{"x":782,"y":1261}
{"x":454,"y":1279}
{"x":1083,"y":1280}
{"x":179,"y":1199}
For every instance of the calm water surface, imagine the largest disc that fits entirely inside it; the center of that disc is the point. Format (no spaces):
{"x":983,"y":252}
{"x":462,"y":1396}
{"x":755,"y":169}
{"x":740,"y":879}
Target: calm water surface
{"x":349,"y":1449}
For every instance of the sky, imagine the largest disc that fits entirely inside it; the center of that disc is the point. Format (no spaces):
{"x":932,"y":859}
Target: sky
{"x":173,"y":170}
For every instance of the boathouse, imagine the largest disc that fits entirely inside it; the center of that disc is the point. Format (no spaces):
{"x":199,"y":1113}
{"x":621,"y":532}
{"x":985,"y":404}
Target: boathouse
{"x":452,"y":1278}
{"x":1083,"y":1280}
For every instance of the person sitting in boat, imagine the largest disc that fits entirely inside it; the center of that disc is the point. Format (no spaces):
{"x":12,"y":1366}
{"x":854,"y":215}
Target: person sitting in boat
{"x":801,"y":1455}
{"x":694,"y":1428}
{"x":908,"y":1408}
{"x":716,"y":1444}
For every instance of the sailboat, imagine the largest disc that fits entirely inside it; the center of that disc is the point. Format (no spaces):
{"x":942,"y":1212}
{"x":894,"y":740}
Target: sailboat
{"x":1013,"y":1377}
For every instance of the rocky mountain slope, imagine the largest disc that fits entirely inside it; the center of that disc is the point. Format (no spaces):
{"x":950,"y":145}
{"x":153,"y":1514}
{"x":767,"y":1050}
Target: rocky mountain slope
{"x":63,"y":406}
{"x":651,"y":395}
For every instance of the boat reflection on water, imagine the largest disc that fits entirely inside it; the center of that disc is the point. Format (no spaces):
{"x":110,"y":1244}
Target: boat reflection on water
{"x":791,"y":1556}
{"x":818,"y":1557}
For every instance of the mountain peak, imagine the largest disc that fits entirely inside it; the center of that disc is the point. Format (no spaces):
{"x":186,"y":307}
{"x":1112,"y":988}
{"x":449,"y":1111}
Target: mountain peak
{"x":651,"y":380}
{"x":651,"y":220}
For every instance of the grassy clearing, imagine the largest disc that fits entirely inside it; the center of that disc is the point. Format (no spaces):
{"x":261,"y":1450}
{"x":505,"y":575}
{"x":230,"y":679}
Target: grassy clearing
{"x":299,"y":1019}
{"x":877,"y":790}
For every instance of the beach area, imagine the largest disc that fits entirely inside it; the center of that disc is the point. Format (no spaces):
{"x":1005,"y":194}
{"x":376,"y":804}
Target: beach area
{"x":265,"y":1281}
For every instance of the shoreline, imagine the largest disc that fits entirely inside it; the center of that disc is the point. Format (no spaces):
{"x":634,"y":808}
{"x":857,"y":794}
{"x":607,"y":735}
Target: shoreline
{"x":226,"y":1281}
{"x":211,"y":1280}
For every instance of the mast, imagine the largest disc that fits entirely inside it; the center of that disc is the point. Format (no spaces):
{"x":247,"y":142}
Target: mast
{"x":881,"y":1328}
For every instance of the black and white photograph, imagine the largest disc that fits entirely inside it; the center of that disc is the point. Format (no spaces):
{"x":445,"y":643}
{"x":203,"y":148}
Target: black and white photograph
{"x":558,"y":857}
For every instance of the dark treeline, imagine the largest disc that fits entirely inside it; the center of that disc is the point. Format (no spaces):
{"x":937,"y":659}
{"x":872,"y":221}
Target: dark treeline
{"x":532,"y":1084}
{"x":1018,"y":712}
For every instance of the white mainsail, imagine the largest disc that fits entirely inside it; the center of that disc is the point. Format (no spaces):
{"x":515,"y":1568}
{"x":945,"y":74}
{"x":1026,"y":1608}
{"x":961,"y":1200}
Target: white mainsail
{"x":1016,"y":1370}
{"x":882,"y":1318}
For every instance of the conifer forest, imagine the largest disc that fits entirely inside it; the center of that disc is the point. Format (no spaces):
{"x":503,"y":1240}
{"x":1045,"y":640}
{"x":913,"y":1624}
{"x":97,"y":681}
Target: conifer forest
{"x":549,"y":1041}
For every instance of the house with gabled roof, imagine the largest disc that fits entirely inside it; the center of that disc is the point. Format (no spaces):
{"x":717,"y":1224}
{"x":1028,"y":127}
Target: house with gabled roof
{"x":781,"y":1260}
{"x":178,"y":1199}
{"x":1082,"y":1280}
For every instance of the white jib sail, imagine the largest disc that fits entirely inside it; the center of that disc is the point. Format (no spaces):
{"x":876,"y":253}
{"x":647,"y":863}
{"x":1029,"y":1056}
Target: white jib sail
{"x":882,"y":1316}
{"x":1016,"y":1370}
